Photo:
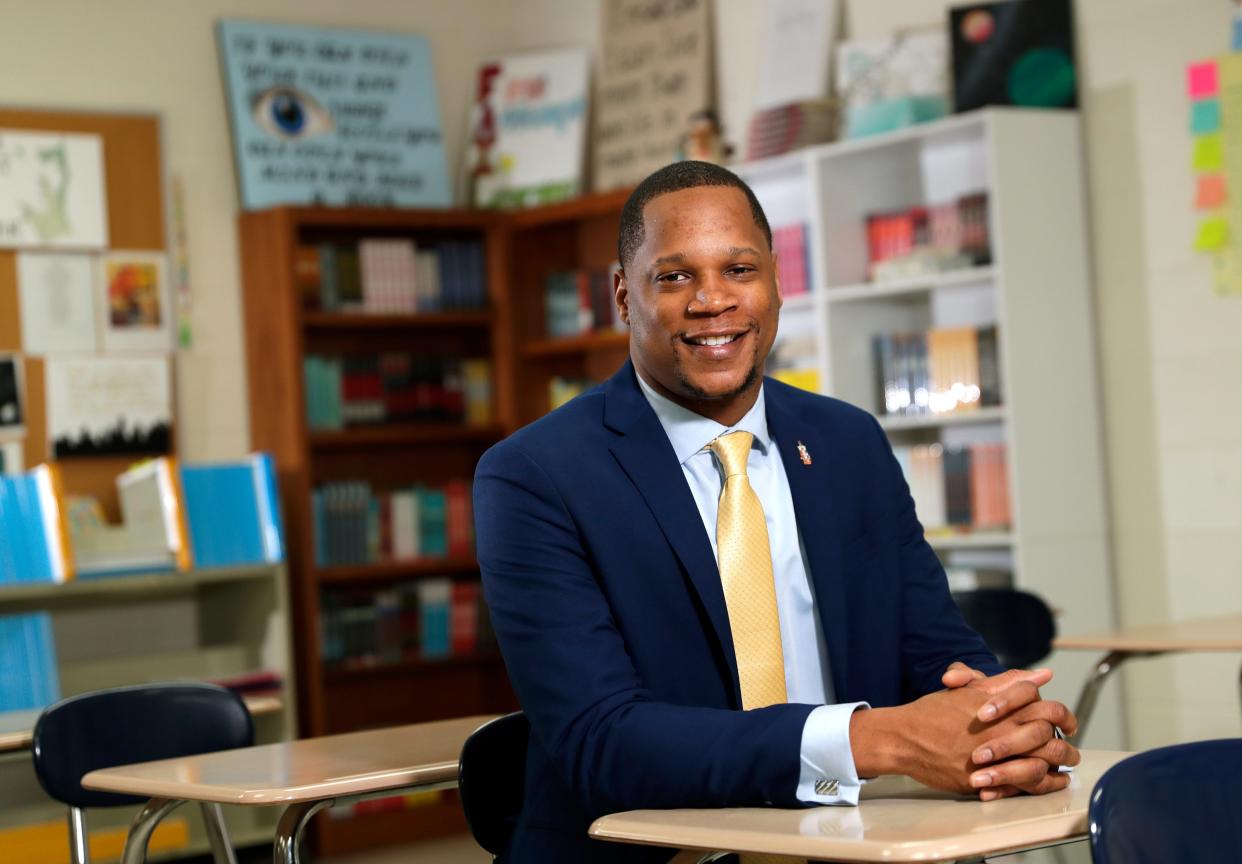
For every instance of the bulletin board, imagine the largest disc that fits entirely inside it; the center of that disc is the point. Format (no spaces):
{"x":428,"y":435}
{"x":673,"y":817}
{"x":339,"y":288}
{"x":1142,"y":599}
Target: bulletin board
{"x":133,"y":177}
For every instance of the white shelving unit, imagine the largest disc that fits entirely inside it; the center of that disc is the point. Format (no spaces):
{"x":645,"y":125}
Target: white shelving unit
{"x":145,"y":628}
{"x":1036,"y":290}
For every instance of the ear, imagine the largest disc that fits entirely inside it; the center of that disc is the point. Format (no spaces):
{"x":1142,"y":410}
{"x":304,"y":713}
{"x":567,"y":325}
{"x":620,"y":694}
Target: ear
{"x":621,"y":294}
{"x":776,"y":282}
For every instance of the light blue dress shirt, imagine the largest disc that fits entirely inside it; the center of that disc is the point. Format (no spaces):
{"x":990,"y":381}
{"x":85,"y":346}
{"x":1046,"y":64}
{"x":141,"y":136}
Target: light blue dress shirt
{"x":828,"y":775}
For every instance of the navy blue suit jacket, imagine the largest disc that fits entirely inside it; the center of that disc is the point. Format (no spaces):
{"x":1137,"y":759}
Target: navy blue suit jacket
{"x":607,"y":605}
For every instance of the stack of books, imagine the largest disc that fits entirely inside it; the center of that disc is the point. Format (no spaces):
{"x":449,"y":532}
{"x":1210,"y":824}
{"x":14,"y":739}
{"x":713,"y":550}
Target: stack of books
{"x":937,"y":371}
{"x":392,"y":275}
{"x":396,"y":387}
{"x":432,"y":618}
{"x":958,"y":487}
{"x":356,"y":525}
{"x":920,"y":240}
{"x":579,"y":301}
{"x":793,"y":260}
{"x":774,"y":131}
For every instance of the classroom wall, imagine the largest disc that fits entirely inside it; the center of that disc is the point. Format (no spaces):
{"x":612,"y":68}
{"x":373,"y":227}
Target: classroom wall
{"x":1170,"y":358}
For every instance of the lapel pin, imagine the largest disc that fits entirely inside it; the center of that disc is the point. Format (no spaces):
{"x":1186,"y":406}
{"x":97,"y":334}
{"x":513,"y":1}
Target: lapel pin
{"x":803,"y":454}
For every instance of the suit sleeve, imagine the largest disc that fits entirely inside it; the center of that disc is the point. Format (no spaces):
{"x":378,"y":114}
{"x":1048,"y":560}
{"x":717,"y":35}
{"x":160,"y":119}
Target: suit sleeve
{"x":934,"y":634}
{"x":616,"y":747}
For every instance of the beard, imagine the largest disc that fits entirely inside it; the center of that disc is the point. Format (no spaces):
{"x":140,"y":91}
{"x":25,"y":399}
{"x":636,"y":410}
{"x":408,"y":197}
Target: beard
{"x":689,"y":388}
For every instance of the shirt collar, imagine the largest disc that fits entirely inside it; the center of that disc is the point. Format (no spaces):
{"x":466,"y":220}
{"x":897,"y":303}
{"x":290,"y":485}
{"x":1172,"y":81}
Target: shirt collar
{"x":689,"y":432}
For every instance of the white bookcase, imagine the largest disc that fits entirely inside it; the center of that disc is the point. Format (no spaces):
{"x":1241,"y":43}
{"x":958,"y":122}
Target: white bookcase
{"x":1037,"y":291}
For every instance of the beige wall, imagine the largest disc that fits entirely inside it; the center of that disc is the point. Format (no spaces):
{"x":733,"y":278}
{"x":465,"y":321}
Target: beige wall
{"x":1170,"y":355}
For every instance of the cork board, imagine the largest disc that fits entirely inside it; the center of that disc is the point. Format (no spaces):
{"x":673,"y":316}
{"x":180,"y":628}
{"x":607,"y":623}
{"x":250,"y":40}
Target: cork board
{"x":133,"y":178}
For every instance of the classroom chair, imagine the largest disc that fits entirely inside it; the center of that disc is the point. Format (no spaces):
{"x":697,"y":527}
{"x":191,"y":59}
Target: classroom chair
{"x":1172,"y":804}
{"x":491,"y":778}
{"x":1017,"y":625}
{"x":125,"y":725}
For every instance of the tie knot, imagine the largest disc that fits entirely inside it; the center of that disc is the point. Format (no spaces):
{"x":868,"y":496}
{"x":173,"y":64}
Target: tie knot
{"x":733,"y":451}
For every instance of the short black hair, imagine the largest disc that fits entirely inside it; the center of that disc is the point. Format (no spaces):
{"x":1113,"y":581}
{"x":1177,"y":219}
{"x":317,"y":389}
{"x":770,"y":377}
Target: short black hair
{"x":674,"y":178}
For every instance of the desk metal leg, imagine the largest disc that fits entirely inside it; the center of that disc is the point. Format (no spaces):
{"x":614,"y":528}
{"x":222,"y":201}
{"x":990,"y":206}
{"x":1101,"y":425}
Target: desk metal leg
{"x":289,"y":832}
{"x":142,"y":826}
{"x":217,"y":833}
{"x":1095,"y":682}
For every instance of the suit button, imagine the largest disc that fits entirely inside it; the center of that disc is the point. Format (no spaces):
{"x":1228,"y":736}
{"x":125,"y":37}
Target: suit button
{"x":827,"y":786}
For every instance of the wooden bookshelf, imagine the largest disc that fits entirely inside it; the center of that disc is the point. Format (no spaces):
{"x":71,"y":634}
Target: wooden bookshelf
{"x":566,"y":236}
{"x":280,"y":334}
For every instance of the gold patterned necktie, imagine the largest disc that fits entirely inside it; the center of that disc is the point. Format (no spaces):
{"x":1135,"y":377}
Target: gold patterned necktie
{"x":745,"y":560}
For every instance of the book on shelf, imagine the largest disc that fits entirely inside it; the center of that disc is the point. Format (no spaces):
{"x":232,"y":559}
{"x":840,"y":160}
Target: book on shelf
{"x":783,"y":128}
{"x":562,"y":390}
{"x":939,"y":371}
{"x":793,"y":260}
{"x":962,"y":488}
{"x":580,"y":301}
{"x":395,"y":387}
{"x":386,"y":275}
{"x":353,"y":524}
{"x":928,"y":239}
{"x":431,"y":618}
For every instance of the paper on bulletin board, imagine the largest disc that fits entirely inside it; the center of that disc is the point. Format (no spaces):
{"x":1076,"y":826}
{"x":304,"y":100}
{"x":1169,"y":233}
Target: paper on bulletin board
{"x":654,"y":76}
{"x":103,"y":406}
{"x":52,"y":190}
{"x":56,"y":293}
{"x":12,"y":404}
{"x":12,"y":459}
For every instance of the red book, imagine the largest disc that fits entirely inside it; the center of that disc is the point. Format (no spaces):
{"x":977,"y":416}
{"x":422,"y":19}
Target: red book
{"x":464,"y":611}
{"x":460,"y":529}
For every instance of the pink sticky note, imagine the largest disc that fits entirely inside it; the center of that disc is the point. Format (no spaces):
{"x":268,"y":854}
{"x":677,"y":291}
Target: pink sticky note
{"x":1210,"y":193}
{"x":1201,"y":80}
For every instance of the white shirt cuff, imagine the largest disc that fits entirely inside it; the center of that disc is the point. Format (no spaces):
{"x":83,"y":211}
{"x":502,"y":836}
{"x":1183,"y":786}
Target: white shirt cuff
{"x":828,"y":775}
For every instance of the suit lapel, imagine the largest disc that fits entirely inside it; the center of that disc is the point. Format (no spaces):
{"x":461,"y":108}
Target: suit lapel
{"x":814,"y":489}
{"x":645,"y":454}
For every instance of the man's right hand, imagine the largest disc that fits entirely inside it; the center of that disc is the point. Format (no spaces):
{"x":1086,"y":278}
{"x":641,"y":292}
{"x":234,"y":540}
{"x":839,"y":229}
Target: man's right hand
{"x":937,"y":738}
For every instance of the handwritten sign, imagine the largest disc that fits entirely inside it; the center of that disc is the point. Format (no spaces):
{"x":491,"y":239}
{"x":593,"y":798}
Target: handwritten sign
{"x":52,"y":190}
{"x":655,"y":75}
{"x":332,"y":117}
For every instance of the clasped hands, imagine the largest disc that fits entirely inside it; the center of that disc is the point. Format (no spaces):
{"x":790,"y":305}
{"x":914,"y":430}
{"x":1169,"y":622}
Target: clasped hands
{"x":990,"y":735}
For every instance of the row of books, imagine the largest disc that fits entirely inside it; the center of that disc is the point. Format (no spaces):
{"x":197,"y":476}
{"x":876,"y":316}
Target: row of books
{"x":432,"y":618}
{"x":396,"y":387}
{"x":561,"y":390}
{"x":937,"y":371}
{"x":931,"y":239}
{"x":579,"y":301}
{"x":778,"y":130}
{"x":392,"y":275}
{"x":356,"y":525}
{"x":793,"y":259}
{"x":963,"y":487}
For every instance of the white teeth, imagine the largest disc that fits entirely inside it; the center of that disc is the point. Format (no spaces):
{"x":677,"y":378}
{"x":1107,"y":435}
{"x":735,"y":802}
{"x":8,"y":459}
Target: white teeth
{"x":713,"y":340}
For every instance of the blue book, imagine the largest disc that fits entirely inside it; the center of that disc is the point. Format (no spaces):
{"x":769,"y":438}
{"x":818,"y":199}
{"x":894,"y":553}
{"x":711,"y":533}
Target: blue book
{"x":28,"y":675}
{"x":233,"y":512}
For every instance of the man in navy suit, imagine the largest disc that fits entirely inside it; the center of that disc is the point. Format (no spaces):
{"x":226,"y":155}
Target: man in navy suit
{"x":598,"y":547}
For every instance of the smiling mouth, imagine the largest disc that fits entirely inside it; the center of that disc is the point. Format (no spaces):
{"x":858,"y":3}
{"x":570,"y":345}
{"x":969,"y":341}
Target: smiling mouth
{"x":712,"y":341}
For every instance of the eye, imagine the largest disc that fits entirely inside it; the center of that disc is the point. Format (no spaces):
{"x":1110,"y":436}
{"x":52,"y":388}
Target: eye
{"x":741,"y":270}
{"x":286,"y":112}
{"x":672,"y":278}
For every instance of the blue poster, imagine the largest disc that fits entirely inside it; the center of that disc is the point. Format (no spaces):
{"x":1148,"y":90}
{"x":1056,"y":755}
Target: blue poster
{"x":333,"y":117}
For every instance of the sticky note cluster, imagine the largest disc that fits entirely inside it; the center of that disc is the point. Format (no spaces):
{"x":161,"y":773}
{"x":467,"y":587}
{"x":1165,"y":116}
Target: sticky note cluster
{"x":1208,"y":155}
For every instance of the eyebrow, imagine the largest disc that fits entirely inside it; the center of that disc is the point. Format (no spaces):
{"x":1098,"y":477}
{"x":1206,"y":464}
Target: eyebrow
{"x":680,"y":258}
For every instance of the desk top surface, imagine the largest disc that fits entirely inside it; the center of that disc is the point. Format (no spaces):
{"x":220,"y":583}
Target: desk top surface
{"x":1222,"y":633}
{"x":311,"y":769}
{"x":897,"y":820}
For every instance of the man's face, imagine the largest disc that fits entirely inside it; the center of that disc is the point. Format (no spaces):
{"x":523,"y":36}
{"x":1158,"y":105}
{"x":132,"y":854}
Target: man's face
{"x":701,"y":299}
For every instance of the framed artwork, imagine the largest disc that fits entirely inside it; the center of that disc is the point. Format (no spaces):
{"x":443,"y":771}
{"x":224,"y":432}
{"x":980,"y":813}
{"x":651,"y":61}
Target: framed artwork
{"x":134,"y":304}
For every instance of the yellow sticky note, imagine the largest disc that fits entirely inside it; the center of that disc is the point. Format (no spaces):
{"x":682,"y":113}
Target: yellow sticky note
{"x":1208,"y":155}
{"x":1209,"y":192}
{"x":1213,"y":234}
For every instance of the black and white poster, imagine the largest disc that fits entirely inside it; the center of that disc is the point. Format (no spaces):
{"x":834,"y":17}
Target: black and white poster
{"x":11,"y":410}
{"x":106,"y":406}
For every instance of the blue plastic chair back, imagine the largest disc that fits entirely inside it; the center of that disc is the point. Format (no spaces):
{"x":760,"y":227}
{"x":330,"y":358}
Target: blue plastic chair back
{"x":1178,"y":804}
{"x":492,"y":779}
{"x":1017,"y":625}
{"x":132,"y":724}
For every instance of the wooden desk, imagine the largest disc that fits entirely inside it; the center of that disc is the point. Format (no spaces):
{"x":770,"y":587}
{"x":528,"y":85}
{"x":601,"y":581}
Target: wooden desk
{"x":305,"y":776}
{"x":896,"y":820}
{"x":1198,"y":634}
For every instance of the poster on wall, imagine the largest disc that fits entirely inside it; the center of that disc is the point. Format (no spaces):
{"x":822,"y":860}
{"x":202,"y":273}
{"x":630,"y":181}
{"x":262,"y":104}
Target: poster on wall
{"x":56,"y":293}
{"x":134,"y":304}
{"x":108,"y":406}
{"x":11,"y":412}
{"x":655,"y":75}
{"x":526,"y":129}
{"x":334,"y":117}
{"x":52,"y":190}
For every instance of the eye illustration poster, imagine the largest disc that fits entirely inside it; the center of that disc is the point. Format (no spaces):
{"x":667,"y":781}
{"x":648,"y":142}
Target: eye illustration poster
{"x":332,"y":117}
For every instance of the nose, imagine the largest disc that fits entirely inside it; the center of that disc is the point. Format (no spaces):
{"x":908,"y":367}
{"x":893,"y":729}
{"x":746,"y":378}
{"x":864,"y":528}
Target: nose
{"x":714,"y":296}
